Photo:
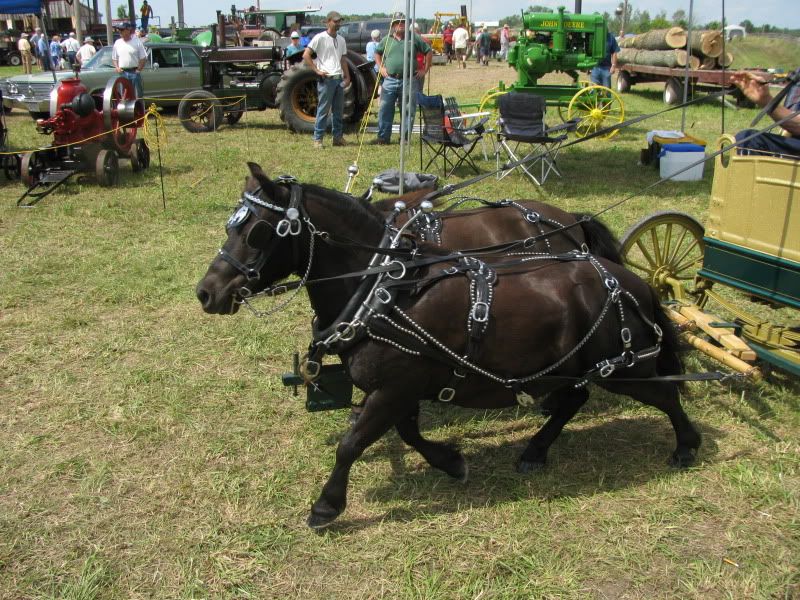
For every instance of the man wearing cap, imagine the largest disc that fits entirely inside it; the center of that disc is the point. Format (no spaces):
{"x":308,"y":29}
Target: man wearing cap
{"x":333,"y":76}
{"x":87,"y":51}
{"x":389,"y":58}
{"x":294,"y":48}
{"x":24,"y":47}
{"x":43,"y":51}
{"x":129,"y":56}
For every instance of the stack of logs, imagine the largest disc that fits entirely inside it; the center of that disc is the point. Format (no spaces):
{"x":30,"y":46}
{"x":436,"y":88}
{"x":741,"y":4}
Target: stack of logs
{"x":668,"y":48}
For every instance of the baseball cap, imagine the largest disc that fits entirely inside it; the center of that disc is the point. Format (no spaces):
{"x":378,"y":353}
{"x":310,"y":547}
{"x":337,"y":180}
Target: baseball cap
{"x":397,"y":17}
{"x":333,"y":16}
{"x":295,"y":35}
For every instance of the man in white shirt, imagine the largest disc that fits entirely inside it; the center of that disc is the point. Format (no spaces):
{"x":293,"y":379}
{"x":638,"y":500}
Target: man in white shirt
{"x":87,"y":51}
{"x":460,"y":40}
{"x":129,"y":56}
{"x":71,"y":47}
{"x":331,"y":68}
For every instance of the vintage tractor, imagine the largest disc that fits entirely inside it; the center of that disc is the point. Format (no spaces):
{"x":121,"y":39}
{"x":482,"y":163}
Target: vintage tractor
{"x":90,"y":134}
{"x":236,"y":80}
{"x":567,"y":43}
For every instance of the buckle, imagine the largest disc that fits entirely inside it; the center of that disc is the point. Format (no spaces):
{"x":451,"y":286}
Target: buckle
{"x":625,"y":334}
{"x":606,"y":369}
{"x":482,"y":315}
{"x":382,"y":295}
{"x":402,"y":270}
{"x":446,"y":394}
{"x":532,"y":216}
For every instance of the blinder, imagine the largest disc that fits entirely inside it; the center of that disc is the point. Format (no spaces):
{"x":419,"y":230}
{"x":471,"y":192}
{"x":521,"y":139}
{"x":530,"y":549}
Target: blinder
{"x":291,"y":225}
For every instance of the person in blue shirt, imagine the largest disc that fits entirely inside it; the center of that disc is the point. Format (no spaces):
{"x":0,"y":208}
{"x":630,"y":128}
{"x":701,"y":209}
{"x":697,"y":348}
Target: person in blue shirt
{"x":56,"y":52}
{"x":601,"y":74}
{"x":755,"y":88}
{"x":371,"y":45}
{"x":296,"y":47}
{"x":43,"y":52}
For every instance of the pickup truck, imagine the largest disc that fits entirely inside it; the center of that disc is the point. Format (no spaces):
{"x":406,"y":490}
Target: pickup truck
{"x":357,"y":33}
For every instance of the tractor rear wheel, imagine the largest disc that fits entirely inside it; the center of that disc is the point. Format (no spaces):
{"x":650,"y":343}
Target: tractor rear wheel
{"x":200,"y":112}
{"x":297,"y":99}
{"x":14,"y":59}
{"x":106,"y":168}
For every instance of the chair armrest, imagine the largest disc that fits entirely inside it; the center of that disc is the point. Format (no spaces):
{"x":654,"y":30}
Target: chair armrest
{"x":570,"y":125}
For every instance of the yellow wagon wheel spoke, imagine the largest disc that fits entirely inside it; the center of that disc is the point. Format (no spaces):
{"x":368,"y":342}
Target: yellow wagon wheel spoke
{"x":664,"y":249}
{"x":596,"y":107}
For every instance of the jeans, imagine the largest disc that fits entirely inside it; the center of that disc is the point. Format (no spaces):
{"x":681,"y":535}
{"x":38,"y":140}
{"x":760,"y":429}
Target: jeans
{"x":391,"y":91}
{"x":145,"y":23}
{"x":768,"y":143}
{"x":330,"y":94}
{"x":136,"y":79}
{"x":601,"y":76}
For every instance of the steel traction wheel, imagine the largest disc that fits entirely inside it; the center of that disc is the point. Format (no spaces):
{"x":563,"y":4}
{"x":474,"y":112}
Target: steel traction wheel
{"x":665,"y":248}
{"x":106,"y":168}
{"x":31,"y":168}
{"x":200,"y":112}
{"x":596,"y":107}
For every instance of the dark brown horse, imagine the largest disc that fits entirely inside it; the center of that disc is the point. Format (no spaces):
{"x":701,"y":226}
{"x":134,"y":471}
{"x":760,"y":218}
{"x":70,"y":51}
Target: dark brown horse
{"x":547,"y":324}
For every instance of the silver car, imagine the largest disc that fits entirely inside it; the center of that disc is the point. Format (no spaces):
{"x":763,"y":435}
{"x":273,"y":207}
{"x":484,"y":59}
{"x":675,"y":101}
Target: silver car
{"x":171,"y":71}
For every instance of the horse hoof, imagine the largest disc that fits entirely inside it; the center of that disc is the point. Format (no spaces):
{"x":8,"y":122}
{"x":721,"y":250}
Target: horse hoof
{"x":322,"y":516}
{"x":681,"y":459}
{"x":530,"y":466}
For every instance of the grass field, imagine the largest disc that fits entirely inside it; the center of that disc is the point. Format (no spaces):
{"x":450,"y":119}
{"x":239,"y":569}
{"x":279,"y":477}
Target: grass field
{"x":149,"y":450}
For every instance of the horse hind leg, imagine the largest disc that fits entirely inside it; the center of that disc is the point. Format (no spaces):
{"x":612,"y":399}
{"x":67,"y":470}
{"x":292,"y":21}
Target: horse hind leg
{"x":666,"y":398}
{"x":562,"y":405}
{"x":440,"y":456}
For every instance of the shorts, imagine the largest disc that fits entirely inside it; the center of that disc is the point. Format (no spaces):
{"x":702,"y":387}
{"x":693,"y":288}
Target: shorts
{"x":461,"y":53}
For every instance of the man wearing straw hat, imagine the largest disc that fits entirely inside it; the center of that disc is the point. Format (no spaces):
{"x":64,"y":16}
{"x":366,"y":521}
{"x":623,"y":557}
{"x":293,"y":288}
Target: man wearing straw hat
{"x":389,"y":59}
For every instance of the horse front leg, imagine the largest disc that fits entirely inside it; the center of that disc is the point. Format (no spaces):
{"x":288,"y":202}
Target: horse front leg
{"x":440,"y":456}
{"x":563,"y":406}
{"x":379,"y":415}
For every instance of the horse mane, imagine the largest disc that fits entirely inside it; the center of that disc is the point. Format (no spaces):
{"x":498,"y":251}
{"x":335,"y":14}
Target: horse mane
{"x":345,"y":204}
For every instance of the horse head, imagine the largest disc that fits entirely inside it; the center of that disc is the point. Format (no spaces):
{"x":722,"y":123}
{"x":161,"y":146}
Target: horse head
{"x":261,"y":248}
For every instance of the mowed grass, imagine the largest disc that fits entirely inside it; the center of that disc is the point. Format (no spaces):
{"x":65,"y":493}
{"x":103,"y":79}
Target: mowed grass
{"x":150,"y":451}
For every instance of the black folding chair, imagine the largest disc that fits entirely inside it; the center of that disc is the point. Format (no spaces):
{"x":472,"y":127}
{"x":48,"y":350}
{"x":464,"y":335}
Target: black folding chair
{"x":445,"y":137}
{"x":521,"y":129}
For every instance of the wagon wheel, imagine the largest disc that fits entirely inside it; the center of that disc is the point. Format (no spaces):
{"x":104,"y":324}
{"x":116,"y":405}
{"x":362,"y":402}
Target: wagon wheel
{"x":666,"y":249}
{"x":140,"y":156}
{"x":106,"y":168}
{"x":122,"y":112}
{"x":596,"y":107}
{"x":31,"y":168}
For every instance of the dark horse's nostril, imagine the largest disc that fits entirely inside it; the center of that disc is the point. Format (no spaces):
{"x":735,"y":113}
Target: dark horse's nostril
{"x":203,"y":296}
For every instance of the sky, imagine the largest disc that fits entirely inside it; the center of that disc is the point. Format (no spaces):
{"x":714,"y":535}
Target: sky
{"x":783,"y":13}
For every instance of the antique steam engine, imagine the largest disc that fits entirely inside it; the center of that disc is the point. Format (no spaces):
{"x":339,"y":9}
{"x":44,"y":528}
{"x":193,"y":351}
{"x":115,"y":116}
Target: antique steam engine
{"x":90,"y":134}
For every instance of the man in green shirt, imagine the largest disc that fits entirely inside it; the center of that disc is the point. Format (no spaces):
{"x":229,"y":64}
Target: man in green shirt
{"x":389,"y":60}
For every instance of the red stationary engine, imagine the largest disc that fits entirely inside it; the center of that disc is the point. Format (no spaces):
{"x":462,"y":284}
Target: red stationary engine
{"x":89,"y":134}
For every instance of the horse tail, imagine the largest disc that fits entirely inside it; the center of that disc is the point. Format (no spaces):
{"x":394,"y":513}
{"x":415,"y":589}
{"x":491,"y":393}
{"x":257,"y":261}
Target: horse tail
{"x":599,"y":238}
{"x":669,"y":360}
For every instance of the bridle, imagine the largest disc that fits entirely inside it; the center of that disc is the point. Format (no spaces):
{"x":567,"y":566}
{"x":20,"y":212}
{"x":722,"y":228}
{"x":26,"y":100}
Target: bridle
{"x":290,"y":226}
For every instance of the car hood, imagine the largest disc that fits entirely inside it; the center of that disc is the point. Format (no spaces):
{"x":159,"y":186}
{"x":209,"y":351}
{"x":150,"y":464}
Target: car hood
{"x":42,"y":78}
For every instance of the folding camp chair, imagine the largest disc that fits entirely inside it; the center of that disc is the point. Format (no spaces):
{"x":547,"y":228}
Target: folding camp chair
{"x":444,"y":137}
{"x":472,"y":123}
{"x":521,"y":126}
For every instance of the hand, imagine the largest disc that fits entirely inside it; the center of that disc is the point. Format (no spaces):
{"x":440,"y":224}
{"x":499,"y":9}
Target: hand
{"x":322,"y":73}
{"x":384,"y":72}
{"x":753,"y":86}
{"x":118,"y":69}
{"x":421,"y":74}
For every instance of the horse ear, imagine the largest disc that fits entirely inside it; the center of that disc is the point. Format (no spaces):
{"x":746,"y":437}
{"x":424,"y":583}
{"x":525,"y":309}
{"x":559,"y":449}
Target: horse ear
{"x":272,"y":190}
{"x":258,"y":236}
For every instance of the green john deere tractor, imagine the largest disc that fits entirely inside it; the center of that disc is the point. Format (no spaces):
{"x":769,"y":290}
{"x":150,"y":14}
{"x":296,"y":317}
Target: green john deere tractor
{"x":568,"y":43}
